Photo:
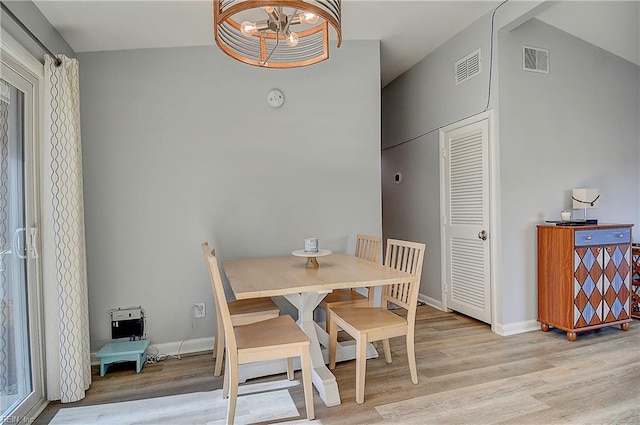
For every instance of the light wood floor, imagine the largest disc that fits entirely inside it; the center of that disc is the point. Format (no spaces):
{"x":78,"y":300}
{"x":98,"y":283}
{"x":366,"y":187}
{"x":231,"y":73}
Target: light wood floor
{"x":468,"y":375}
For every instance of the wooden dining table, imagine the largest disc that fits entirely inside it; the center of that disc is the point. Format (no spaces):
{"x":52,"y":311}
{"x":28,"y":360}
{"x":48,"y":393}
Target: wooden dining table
{"x":304,"y":288}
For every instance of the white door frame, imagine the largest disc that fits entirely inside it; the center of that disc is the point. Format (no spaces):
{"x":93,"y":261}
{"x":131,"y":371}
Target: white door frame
{"x":494,"y":236}
{"x":24,"y":63}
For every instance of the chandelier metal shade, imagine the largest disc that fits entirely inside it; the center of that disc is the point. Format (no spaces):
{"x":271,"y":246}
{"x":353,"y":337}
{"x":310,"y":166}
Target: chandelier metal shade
{"x":276,"y":33}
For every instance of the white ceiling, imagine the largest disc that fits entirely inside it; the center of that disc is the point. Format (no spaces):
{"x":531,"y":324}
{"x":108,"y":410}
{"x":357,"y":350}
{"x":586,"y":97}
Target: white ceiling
{"x":610,"y":25}
{"x":408,"y":30}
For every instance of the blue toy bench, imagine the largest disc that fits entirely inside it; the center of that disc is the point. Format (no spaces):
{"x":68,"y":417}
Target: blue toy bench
{"x":132,"y":351}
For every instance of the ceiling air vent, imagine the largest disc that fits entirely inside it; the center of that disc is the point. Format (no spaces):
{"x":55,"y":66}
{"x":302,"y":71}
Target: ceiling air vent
{"x":468,"y":67}
{"x":535,"y":59}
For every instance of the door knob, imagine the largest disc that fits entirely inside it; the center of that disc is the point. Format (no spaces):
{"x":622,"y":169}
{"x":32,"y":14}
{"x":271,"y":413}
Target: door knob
{"x":483,"y":235}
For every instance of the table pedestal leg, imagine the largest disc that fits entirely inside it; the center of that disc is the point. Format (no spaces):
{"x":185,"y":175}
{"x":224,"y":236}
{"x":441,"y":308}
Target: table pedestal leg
{"x":323,"y":379}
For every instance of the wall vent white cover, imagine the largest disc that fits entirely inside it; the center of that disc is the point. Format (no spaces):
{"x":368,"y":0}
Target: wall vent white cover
{"x":468,"y":67}
{"x":535,"y":59}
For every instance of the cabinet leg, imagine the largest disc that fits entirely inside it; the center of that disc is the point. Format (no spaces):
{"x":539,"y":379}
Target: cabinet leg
{"x":624,"y":326}
{"x":544,"y":327}
{"x":571,"y":336}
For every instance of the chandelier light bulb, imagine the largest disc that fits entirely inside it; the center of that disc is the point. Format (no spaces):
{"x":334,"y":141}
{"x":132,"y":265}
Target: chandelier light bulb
{"x":248,"y":28}
{"x":308,"y":17}
{"x":292,"y":39}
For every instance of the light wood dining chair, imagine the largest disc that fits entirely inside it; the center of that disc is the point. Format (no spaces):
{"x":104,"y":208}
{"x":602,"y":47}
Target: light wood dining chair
{"x":367,"y":248}
{"x":270,"y":339}
{"x":243,"y":312}
{"x":368,"y":324}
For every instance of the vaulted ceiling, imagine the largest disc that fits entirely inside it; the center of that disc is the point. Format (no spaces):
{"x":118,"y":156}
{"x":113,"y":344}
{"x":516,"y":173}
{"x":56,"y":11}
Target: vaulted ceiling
{"x":408,"y":30}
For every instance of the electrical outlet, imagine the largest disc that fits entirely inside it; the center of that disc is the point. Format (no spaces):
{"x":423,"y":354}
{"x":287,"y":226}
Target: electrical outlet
{"x":200,"y":310}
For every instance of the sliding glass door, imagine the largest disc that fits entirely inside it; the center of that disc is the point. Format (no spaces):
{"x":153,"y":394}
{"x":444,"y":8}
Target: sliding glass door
{"x":21,"y":387}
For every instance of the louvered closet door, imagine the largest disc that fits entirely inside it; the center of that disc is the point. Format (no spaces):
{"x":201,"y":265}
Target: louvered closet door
{"x":466,"y":221}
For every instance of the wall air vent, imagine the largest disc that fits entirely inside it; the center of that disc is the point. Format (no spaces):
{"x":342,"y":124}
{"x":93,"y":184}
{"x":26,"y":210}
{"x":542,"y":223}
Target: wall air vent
{"x":535,"y":59}
{"x":468,"y":67}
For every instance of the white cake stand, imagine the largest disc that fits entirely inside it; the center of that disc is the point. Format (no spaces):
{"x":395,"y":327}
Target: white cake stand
{"x":312,"y":262}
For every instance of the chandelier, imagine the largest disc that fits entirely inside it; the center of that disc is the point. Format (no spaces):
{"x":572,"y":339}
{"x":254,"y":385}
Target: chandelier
{"x":276,"y":33}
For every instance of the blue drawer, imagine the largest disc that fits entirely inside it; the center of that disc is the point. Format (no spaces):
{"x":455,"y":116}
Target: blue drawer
{"x":602,"y":236}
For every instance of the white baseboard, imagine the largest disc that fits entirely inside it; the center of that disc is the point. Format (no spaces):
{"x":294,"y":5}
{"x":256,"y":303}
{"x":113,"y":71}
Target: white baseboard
{"x":430,"y":301}
{"x":189,"y":346}
{"x":500,"y":329}
{"x":516,"y":328}
{"x":171,"y":348}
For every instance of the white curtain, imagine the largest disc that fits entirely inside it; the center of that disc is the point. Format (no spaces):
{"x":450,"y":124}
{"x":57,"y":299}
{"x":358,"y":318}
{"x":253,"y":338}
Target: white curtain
{"x":67,"y":351}
{"x":5,"y":237}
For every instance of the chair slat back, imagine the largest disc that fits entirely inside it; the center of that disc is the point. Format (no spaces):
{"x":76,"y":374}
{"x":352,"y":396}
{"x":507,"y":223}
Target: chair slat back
{"x":222,"y":309}
{"x":368,"y":247}
{"x":206,"y":251}
{"x":408,"y":257}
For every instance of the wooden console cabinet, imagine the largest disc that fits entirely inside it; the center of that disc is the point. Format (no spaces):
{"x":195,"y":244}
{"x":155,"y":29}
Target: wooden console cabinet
{"x":584,"y":275}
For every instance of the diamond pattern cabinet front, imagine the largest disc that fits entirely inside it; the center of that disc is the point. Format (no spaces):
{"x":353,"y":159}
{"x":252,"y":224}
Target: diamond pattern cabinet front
{"x":584,"y":277}
{"x":587,"y":286}
{"x":616,"y":282}
{"x":635,"y":281}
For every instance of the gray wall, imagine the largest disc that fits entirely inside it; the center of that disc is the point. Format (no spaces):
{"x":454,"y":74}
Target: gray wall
{"x":33,"y":19}
{"x":423,"y":99}
{"x":180,"y":147}
{"x":575,"y":127}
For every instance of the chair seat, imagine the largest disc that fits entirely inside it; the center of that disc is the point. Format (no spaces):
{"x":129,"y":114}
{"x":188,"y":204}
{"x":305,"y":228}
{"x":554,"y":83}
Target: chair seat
{"x":340,"y":296}
{"x":248,"y":311}
{"x":242,"y":312}
{"x":366,"y":319}
{"x":276,"y":332}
